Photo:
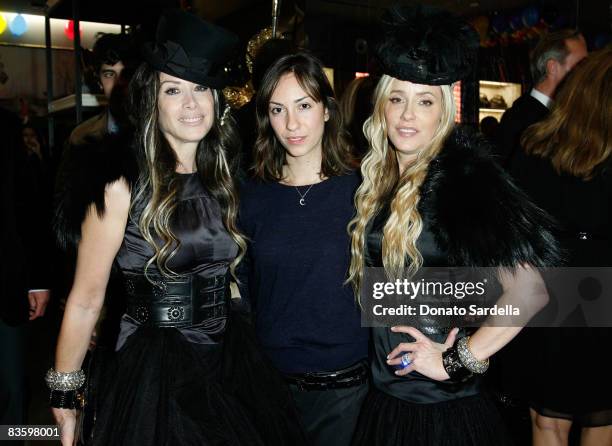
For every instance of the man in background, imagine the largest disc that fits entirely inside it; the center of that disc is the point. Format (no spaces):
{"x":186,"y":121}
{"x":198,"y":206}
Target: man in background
{"x":553,"y":57}
{"x":25,"y":267}
{"x":112,"y":53}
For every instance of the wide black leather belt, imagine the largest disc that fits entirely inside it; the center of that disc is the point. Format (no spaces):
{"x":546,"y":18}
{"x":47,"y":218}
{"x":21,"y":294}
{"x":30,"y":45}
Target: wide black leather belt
{"x":339,"y":379}
{"x":177,"y":302}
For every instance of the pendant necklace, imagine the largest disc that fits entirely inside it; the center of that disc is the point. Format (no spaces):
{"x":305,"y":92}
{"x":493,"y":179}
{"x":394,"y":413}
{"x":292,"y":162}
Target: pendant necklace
{"x":303,"y":196}
{"x":302,"y":199}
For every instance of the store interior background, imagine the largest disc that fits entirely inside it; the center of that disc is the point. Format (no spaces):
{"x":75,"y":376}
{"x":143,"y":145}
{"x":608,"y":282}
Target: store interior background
{"x":40,"y":80}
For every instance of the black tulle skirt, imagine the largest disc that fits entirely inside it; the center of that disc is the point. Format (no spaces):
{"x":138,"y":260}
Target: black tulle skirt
{"x":160,"y":389}
{"x":389,"y":421}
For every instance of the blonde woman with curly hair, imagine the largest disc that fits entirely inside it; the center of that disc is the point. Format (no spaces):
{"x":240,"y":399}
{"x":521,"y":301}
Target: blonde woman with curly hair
{"x":431,"y":197}
{"x":165,"y":217}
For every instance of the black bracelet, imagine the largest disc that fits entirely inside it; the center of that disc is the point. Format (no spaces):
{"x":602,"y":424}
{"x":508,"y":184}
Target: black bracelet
{"x":454,"y":367}
{"x":65,"y":399}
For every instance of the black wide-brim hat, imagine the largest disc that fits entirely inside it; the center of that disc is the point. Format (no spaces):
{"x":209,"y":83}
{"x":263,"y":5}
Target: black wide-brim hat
{"x":192,"y":49}
{"x":426,"y":45}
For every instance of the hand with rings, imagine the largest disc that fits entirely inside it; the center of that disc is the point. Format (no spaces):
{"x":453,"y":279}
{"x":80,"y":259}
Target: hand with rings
{"x":423,"y":355}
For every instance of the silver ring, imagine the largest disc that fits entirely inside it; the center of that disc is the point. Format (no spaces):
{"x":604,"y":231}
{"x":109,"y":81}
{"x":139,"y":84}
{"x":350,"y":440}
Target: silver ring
{"x":405,"y":360}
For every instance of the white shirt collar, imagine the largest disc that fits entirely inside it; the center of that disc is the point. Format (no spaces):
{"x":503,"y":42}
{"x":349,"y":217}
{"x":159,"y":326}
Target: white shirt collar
{"x":541,"y":97}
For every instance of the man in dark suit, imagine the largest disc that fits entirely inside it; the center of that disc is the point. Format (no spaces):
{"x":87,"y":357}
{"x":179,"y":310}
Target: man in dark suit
{"x":24,"y":271}
{"x":553,"y":57}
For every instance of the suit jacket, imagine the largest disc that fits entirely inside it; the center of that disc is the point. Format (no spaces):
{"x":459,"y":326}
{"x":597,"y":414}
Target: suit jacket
{"x":95,"y":127}
{"x":525,"y":111}
{"x":25,"y":240}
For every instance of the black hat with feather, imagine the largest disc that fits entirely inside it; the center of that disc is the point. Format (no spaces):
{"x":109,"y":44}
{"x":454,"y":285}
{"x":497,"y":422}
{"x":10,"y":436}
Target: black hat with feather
{"x":426,"y":45}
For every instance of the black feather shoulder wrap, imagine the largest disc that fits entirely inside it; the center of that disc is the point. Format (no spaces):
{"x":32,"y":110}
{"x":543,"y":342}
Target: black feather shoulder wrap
{"x":477,"y":213}
{"x":85,"y":172}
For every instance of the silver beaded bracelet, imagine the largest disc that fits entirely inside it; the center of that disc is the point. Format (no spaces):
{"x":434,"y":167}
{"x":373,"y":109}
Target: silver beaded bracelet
{"x":467,"y":358}
{"x":65,"y":381}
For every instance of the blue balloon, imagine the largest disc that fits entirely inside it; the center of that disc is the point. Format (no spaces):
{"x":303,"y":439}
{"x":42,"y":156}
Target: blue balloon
{"x":18,"y":25}
{"x":516,"y":22}
{"x":499,"y":24}
{"x":531,"y":15}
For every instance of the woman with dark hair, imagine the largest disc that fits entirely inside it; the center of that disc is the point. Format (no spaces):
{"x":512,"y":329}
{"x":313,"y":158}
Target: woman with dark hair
{"x":432,"y":197}
{"x":294,"y":214}
{"x":167,"y":223}
{"x":566,"y":169}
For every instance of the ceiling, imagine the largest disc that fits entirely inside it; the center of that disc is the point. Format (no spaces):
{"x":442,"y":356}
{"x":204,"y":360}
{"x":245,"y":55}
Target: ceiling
{"x":23,"y":6}
{"x":213,"y":9}
{"x":365,"y":10}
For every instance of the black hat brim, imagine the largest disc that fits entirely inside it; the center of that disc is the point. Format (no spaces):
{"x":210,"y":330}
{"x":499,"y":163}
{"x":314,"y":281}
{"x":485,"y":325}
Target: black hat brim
{"x":151,"y":55}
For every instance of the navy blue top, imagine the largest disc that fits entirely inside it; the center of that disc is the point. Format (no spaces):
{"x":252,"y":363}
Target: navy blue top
{"x":293,"y":275}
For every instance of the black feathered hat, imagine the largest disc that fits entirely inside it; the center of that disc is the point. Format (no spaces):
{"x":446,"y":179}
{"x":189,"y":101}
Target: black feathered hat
{"x":192,"y":49}
{"x":426,"y":45}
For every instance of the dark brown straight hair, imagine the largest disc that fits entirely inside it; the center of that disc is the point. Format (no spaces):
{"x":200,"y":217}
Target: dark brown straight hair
{"x":269,"y":154}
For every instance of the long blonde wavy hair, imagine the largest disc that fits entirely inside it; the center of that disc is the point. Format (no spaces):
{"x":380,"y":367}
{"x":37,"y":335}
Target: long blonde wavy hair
{"x":382,"y":181}
{"x":157,"y":186}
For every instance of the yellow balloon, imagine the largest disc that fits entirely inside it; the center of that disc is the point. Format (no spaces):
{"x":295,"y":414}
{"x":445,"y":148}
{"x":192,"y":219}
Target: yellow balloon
{"x":2,"y":23}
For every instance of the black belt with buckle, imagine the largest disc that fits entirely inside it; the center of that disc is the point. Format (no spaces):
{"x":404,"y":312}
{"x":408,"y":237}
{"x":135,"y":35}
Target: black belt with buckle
{"x":352,"y":376}
{"x":178,"y":302}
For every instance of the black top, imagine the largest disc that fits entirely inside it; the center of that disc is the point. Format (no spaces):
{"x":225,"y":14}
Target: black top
{"x":579,"y":206}
{"x":307,"y":319}
{"x":206,"y":250}
{"x":414,"y":387}
{"x":525,"y":111}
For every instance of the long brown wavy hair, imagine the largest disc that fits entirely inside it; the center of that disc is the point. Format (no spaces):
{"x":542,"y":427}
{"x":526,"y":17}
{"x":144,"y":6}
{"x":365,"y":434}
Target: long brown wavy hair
{"x":382,"y":181}
{"x":576,"y":137}
{"x":157,"y":185}
{"x":269,"y":154}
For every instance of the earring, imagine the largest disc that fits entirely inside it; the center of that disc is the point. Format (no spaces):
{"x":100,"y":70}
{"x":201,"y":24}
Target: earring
{"x":225,"y":114}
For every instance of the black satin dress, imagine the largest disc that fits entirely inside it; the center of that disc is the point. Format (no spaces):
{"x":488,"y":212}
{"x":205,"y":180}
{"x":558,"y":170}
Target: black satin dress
{"x":413,"y":409}
{"x":200,"y":385}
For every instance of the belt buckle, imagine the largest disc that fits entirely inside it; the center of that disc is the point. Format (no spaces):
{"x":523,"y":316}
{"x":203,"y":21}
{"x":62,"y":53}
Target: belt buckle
{"x":176,"y":314}
{"x":142,"y":314}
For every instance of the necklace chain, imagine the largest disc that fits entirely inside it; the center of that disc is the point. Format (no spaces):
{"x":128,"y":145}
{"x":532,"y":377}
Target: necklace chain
{"x":303,"y":195}
{"x":302,"y":199}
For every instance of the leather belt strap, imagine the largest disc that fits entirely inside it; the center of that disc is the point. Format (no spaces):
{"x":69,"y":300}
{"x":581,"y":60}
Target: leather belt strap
{"x":352,"y":376}
{"x":178,"y":302}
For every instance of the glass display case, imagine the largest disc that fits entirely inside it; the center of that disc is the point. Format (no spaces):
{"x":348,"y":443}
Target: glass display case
{"x":496,"y":98}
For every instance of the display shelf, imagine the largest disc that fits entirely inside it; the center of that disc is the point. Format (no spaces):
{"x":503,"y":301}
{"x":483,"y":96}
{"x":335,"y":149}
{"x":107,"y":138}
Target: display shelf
{"x":69,"y":102}
{"x":508,"y":92}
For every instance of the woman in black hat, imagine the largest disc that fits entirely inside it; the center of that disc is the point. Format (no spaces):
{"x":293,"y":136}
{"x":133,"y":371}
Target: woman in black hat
{"x":183,"y":369}
{"x":431,"y":197}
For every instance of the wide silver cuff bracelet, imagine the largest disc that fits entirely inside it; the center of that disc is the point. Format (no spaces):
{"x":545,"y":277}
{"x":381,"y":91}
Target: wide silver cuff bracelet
{"x":65,"y":381}
{"x":467,"y":358}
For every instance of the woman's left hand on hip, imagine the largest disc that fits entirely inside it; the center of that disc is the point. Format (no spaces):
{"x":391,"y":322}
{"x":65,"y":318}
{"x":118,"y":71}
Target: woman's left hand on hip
{"x":424,"y":355}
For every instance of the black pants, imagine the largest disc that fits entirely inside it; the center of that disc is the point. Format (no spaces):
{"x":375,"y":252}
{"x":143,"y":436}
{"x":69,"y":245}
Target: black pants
{"x":330,"y":416}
